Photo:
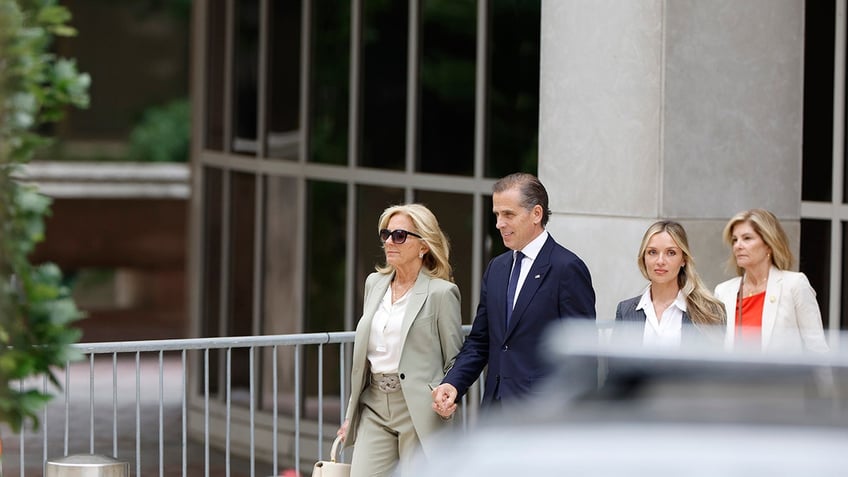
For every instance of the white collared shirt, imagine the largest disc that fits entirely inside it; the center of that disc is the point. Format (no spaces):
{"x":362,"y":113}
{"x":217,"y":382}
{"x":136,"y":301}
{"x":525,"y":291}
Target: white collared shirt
{"x":665,"y":332}
{"x":530,"y":251}
{"x":384,"y":341}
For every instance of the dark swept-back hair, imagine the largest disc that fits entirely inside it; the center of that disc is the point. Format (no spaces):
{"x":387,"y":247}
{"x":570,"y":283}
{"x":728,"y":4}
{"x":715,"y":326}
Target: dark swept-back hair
{"x":533,"y":193}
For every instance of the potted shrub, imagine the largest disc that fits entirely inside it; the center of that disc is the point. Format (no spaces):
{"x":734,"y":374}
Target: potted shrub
{"x":35,"y":309}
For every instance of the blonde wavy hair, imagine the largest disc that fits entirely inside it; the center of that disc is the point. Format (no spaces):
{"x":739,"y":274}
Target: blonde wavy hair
{"x":703,"y":307}
{"x":437,"y":259}
{"x":769,"y":229}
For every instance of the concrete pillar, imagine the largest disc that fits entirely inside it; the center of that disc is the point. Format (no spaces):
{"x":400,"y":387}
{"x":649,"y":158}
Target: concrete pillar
{"x":680,"y":109}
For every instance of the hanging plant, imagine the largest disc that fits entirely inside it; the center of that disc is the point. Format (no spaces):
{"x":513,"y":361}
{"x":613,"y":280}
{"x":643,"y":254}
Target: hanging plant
{"x":35,"y":309}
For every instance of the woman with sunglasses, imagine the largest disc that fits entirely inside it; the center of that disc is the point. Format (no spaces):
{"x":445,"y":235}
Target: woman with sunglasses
{"x":406,"y":340}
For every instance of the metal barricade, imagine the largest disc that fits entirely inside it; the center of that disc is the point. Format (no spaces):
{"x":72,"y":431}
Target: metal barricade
{"x":172,"y":406}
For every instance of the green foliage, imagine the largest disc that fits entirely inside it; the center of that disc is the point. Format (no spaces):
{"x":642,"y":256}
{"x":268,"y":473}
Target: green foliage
{"x":163,"y":134}
{"x":35,"y":309}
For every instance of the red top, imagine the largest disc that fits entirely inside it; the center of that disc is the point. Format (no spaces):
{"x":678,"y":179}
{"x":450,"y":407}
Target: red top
{"x":750,"y":323}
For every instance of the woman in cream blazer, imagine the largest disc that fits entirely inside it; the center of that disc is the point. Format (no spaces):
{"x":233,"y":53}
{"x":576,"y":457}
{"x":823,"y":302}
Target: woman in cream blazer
{"x":790,"y":319}
{"x":406,"y":340}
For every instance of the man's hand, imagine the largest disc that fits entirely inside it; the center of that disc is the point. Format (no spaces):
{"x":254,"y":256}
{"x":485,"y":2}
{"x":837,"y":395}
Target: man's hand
{"x":444,"y":400}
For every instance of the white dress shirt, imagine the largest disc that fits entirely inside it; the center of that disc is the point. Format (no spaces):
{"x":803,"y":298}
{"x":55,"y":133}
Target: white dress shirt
{"x":665,"y":332}
{"x":530,"y":251}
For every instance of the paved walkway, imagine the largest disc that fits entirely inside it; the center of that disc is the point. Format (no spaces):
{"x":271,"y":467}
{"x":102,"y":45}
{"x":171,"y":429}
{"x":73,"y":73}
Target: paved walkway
{"x":79,"y":423}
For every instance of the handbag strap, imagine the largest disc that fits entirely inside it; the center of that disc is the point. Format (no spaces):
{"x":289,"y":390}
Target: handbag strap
{"x":335,"y":449}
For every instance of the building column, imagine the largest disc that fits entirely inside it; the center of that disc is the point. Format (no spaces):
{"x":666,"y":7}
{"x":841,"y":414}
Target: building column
{"x":682,"y":109}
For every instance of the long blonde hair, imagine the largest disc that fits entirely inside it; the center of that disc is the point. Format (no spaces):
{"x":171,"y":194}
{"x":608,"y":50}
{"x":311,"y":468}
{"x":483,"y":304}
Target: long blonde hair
{"x":703,"y":307}
{"x":437,"y":259}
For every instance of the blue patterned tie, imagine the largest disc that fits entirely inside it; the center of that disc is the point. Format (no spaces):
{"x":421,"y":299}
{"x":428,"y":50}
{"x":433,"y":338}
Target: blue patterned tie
{"x":513,"y":284}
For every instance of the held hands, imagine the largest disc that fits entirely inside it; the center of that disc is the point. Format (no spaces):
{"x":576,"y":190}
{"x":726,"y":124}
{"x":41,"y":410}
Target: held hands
{"x":444,"y":400}
{"x":343,"y":430}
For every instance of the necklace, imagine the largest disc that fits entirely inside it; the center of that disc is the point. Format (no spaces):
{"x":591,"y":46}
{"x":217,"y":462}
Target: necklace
{"x":752,"y":289}
{"x":398,"y":291}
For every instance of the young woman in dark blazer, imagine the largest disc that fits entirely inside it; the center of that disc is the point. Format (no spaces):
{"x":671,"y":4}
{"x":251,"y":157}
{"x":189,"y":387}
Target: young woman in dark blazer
{"x":676,"y":299}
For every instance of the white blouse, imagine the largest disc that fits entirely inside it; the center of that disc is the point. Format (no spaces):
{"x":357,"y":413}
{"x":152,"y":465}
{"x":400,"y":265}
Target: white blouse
{"x":384,"y":342}
{"x":665,"y":332}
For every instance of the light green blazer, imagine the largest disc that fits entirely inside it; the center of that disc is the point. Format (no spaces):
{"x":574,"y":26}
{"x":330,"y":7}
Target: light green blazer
{"x":431,"y":336}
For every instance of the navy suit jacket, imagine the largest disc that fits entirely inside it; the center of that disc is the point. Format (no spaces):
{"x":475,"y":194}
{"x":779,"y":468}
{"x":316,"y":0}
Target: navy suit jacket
{"x":558,"y":286}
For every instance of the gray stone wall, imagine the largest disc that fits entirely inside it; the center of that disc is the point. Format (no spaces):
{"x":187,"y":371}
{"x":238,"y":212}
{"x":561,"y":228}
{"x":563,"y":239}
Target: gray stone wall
{"x":684,"y":109}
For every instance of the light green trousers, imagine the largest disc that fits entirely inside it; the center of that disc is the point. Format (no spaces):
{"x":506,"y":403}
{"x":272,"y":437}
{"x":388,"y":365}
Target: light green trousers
{"x":385,"y":437}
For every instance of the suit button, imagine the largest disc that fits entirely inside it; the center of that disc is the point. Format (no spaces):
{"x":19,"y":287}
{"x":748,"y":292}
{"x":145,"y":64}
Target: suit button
{"x":506,"y":348}
{"x":498,"y":377}
{"x":402,"y":376}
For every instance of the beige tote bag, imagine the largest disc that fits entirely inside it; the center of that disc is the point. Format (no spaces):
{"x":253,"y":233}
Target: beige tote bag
{"x":323,"y":468}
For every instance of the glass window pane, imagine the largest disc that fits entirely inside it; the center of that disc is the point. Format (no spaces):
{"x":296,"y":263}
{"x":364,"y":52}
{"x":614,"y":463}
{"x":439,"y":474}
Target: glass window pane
{"x":329,"y":81}
{"x":215,"y":48}
{"x":240,"y":280}
{"x":447,"y":75}
{"x":326,"y":214}
{"x":845,"y":135}
{"x":815,"y":260}
{"x":210,"y":274}
{"x":245,"y":76}
{"x":138,"y":55}
{"x":283,"y":139}
{"x":384,"y":73}
{"x":843,"y":319}
{"x":454,"y":213}
{"x":325,"y":275}
{"x":370,"y":203}
{"x":211,"y":236}
{"x":513,"y":95}
{"x":817,"y":146}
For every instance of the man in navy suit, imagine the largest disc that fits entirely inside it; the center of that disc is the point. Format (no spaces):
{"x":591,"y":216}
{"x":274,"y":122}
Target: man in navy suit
{"x":552,"y":284}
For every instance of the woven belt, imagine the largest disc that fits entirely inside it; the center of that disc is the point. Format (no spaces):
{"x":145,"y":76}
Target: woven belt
{"x":388,"y":383}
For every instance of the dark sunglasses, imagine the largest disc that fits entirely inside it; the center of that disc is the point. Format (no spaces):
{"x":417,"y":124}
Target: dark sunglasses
{"x":398,"y":236}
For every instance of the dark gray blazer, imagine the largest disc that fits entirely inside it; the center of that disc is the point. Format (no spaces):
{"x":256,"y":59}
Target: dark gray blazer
{"x":626,"y":315}
{"x":626,"y":311}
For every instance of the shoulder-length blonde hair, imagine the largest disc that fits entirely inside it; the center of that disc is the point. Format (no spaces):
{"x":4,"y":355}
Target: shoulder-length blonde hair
{"x":703,"y":307}
{"x":769,"y":229}
{"x":437,"y":259}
